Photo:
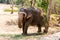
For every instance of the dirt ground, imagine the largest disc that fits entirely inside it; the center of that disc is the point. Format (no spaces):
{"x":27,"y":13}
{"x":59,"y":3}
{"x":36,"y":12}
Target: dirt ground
{"x":10,"y":31}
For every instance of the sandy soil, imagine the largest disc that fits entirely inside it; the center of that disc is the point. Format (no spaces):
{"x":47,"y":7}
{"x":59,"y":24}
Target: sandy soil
{"x":10,"y":31}
{"x":8,"y":24}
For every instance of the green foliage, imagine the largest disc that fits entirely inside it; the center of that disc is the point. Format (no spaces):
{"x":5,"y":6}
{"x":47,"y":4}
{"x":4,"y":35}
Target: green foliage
{"x":39,"y":3}
{"x":43,"y":4}
{"x":18,"y":2}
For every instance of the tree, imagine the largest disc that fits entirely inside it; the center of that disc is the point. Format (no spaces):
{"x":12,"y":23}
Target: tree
{"x":48,"y":17}
{"x":12,"y":4}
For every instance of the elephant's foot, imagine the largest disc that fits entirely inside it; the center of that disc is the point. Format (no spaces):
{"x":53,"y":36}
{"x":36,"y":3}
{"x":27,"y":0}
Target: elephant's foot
{"x":39,"y":31}
{"x":45,"y":31}
{"x":24,"y":33}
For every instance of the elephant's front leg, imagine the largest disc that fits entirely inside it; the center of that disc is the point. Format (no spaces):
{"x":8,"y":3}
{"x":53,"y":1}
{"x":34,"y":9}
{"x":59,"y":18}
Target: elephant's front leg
{"x":25,"y":25}
{"x":39,"y":28}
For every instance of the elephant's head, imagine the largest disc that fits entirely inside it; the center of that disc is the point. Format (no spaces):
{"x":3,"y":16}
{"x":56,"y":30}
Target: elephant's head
{"x":23,"y":14}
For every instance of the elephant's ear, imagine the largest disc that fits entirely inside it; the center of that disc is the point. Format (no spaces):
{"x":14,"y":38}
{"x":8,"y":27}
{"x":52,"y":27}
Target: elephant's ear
{"x":29,"y":15}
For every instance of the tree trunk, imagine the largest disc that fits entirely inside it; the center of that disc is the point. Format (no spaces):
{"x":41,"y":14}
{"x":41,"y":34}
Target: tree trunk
{"x":34,"y":2}
{"x":48,"y":17}
{"x":23,"y":2}
{"x":31,"y":2}
{"x":12,"y":4}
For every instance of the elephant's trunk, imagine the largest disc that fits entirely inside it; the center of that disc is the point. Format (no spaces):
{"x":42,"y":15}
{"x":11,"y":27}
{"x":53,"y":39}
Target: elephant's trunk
{"x":21,"y":18}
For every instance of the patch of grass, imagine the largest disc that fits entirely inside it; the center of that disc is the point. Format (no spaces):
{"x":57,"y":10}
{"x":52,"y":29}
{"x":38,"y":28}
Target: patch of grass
{"x":8,"y":10}
{"x":18,"y":36}
{"x":14,"y":36}
{"x":21,"y":36}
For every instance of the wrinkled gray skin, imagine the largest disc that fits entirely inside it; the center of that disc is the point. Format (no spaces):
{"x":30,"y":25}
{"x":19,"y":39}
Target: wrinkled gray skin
{"x":29,"y":16}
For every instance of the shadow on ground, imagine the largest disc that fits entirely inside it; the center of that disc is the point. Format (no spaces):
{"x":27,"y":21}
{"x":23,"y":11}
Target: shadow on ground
{"x":18,"y":36}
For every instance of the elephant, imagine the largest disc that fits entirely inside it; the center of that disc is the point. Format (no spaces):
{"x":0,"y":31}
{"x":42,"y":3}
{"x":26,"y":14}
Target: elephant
{"x":30,"y":16}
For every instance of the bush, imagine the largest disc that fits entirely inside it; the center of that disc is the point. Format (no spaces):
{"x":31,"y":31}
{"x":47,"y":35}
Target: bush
{"x":18,"y":2}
